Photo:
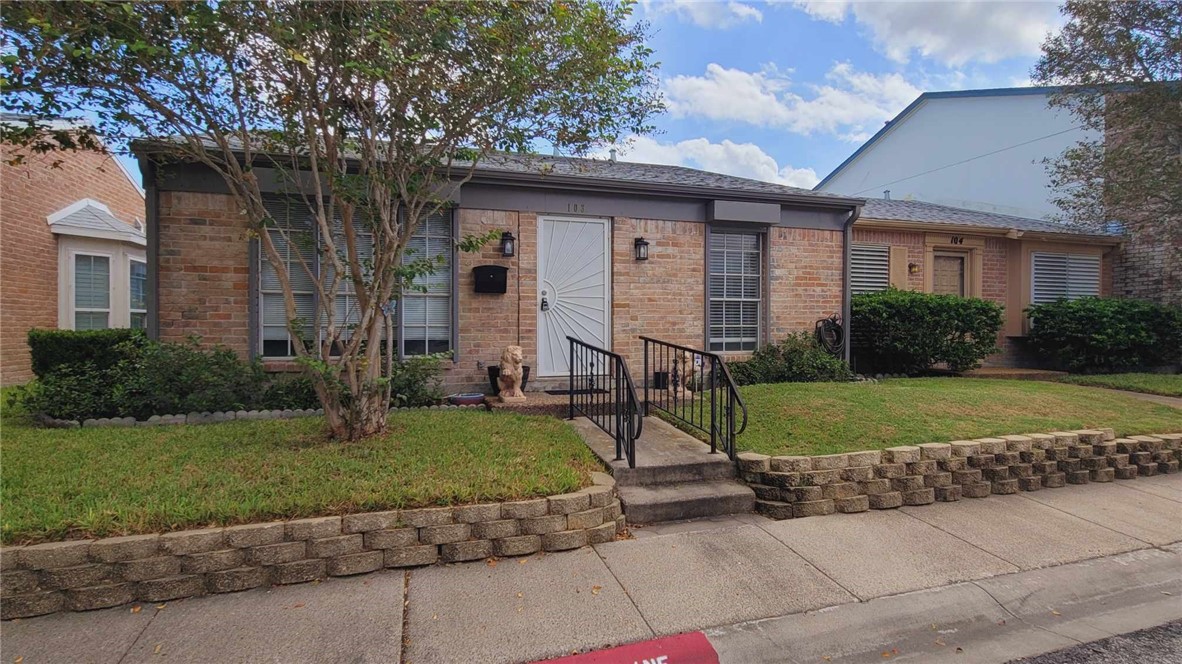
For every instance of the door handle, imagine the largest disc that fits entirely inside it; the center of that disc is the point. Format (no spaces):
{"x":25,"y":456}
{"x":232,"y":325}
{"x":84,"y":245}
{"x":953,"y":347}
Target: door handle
{"x":545,"y":304}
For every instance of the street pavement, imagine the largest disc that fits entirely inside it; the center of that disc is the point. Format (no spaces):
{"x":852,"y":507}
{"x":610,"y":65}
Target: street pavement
{"x":1161,"y":644}
{"x":976,"y":581}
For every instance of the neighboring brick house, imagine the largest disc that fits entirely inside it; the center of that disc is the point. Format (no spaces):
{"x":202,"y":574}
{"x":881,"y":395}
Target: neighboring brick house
{"x":732,"y":263}
{"x":1013,"y":261}
{"x":71,"y":251}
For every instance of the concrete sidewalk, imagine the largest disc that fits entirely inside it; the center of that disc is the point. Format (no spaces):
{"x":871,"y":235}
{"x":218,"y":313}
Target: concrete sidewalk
{"x":998,"y":578}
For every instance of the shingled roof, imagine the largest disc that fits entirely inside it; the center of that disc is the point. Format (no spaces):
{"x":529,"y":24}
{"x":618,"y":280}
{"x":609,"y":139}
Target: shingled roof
{"x":919,"y":211}
{"x":606,"y":170}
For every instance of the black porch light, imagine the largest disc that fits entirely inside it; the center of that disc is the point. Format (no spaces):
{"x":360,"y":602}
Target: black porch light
{"x":508,"y":244}
{"x":640,"y":245}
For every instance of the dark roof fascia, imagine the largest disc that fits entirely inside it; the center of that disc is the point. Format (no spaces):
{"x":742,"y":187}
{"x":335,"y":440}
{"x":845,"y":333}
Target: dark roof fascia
{"x":948,"y":94}
{"x":492,"y":176}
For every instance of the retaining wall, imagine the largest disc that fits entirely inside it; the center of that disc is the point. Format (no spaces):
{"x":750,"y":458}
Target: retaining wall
{"x":799,"y":486}
{"x":92,"y":574}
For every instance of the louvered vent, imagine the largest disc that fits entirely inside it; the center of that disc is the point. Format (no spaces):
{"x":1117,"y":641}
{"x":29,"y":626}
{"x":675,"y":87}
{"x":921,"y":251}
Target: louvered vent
{"x":1070,"y":276}
{"x":870,"y":268}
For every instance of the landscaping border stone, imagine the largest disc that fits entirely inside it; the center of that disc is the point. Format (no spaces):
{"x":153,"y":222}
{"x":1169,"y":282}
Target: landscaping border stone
{"x":799,"y":486}
{"x":80,"y":575}
{"x":213,"y":418}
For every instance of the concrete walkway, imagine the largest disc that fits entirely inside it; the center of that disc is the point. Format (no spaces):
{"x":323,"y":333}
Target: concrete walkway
{"x":1176,"y":402}
{"x":999,"y":578}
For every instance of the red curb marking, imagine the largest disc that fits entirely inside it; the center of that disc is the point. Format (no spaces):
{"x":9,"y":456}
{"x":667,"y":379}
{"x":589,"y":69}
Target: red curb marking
{"x":691,"y":648}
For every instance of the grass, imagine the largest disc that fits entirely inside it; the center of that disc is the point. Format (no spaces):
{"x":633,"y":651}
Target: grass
{"x":829,"y":418}
{"x":1169,"y":385}
{"x":72,"y":483}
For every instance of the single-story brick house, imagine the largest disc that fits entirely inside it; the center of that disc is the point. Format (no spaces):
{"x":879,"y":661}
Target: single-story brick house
{"x":1014,"y":261}
{"x":72,"y":251}
{"x":731,"y":263}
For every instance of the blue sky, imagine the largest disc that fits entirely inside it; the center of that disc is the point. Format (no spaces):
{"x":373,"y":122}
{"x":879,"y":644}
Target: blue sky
{"x":784,"y":91}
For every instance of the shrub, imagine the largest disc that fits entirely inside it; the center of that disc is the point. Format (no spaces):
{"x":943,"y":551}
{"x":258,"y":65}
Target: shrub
{"x":101,"y":349}
{"x":1094,"y":334}
{"x":896,"y":331}
{"x":173,"y":378}
{"x":289,"y":393}
{"x":70,"y":392}
{"x":417,"y":381}
{"x":796,"y":359}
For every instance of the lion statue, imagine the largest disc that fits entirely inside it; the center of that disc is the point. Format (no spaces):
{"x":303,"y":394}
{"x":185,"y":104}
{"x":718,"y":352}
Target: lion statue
{"x":510,"y":378}
{"x":682,"y":374}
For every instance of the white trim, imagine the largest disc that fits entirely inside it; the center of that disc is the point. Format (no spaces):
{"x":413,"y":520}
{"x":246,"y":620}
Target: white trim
{"x":128,"y":237}
{"x":607,"y":284}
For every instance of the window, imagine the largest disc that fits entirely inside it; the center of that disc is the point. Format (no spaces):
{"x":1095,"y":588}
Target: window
{"x":1070,"y":276}
{"x":735,"y":288}
{"x":425,"y":317}
{"x":426,"y":313}
{"x":870,"y":268}
{"x":92,"y":292}
{"x":138,"y":303}
{"x":295,"y":248}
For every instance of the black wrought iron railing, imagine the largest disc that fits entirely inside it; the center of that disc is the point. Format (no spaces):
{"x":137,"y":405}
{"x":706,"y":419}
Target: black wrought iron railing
{"x":696,"y":390}
{"x":601,"y":389}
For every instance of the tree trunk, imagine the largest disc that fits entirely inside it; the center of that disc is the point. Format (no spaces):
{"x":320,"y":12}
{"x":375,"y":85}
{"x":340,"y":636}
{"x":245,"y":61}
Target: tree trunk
{"x":353,"y":417}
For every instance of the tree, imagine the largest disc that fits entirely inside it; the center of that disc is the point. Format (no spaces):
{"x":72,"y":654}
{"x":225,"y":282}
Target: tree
{"x":1120,"y":64}
{"x":374,"y":112}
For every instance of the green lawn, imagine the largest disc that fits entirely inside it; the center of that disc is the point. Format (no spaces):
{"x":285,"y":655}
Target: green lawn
{"x":1169,"y":385}
{"x":828,"y":418}
{"x":70,"y":483}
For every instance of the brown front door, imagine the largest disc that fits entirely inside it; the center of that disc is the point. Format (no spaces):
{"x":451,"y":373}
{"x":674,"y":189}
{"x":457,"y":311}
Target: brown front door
{"x":948,"y":275}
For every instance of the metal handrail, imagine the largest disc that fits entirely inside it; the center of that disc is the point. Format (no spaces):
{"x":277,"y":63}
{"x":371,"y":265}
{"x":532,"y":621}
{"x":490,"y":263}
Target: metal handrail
{"x":615,"y":410}
{"x":690,"y":410}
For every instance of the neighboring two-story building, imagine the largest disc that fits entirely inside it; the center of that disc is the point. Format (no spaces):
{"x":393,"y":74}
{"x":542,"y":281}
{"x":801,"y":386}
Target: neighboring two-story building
{"x":986,"y":150}
{"x":72,"y":248}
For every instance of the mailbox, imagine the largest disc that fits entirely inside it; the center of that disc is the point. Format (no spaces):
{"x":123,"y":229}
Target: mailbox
{"x":490,"y":278}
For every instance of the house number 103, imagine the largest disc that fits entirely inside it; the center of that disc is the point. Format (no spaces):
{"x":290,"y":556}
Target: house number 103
{"x":581,"y":208}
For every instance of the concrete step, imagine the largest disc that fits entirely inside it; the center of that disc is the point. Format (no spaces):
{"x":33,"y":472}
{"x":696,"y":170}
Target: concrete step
{"x":674,"y":502}
{"x":699,"y":468}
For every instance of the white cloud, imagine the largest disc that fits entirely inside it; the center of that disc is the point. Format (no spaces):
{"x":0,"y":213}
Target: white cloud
{"x":705,"y":13}
{"x":850,"y":104}
{"x":953,"y":32}
{"x":739,"y":159}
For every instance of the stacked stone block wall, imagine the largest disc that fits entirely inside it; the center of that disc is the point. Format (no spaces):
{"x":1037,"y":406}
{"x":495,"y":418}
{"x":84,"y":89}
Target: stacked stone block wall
{"x":798,"y":486}
{"x":92,"y":574}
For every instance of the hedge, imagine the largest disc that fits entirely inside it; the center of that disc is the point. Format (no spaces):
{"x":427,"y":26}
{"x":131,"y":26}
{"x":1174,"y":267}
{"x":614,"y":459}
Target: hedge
{"x":102,"y":349}
{"x":1094,"y":334}
{"x":895,"y":331}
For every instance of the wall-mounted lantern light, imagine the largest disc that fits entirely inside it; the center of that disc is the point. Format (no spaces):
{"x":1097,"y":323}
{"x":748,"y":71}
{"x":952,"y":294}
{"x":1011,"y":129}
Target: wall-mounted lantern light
{"x":641,"y":247}
{"x":508,"y":244}
{"x":913,"y":268}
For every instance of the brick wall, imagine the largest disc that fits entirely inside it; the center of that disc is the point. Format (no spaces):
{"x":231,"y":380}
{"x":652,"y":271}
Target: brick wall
{"x":663,"y":297}
{"x":204,"y":268}
{"x":806,"y":278}
{"x":29,"y":193}
{"x":1148,"y":266}
{"x":489,"y":321}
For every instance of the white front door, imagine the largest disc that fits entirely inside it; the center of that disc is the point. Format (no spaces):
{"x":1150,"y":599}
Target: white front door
{"x":574,"y":288}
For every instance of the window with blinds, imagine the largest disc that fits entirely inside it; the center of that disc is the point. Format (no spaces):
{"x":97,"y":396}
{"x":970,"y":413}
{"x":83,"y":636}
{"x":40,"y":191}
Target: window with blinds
{"x":735,"y":289}
{"x":426,"y":309}
{"x":870,"y":268}
{"x":92,"y":292}
{"x":138,"y":287}
{"x":424,"y":320}
{"x":1064,"y":276}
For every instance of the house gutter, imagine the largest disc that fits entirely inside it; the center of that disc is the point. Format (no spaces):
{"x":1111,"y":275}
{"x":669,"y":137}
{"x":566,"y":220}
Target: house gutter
{"x":847,"y":240}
